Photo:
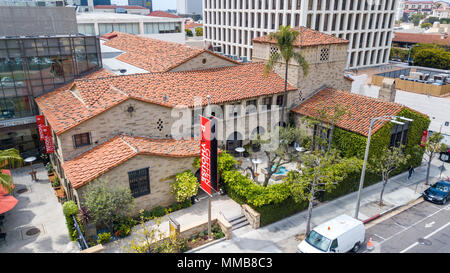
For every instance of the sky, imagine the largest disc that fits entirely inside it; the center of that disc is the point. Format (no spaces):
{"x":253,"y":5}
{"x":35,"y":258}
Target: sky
{"x":157,"y":4}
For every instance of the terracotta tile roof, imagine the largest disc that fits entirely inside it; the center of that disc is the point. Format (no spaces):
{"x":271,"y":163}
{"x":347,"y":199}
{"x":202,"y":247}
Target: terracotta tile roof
{"x":151,"y":54}
{"x":65,"y":109}
{"x":192,"y":25}
{"x":421,"y":38}
{"x":114,"y":7}
{"x":362,"y":109}
{"x":307,"y":37}
{"x":160,"y":13}
{"x":119,"y":149}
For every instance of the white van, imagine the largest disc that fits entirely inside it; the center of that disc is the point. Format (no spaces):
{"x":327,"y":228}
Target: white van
{"x":339,"y":235}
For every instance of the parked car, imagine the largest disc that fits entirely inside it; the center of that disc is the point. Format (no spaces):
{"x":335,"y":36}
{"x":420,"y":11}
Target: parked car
{"x":339,"y":235}
{"x":8,"y":82}
{"x":438,"y":193}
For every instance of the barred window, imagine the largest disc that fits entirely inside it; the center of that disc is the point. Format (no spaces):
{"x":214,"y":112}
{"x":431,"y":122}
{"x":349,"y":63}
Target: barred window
{"x":324,"y":54}
{"x":139,"y":182}
{"x":81,"y":140}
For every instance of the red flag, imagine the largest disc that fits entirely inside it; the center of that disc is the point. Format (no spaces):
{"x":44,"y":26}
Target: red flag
{"x":424,"y":138}
{"x":205,"y":155}
{"x":40,"y":123}
{"x":49,"y":147}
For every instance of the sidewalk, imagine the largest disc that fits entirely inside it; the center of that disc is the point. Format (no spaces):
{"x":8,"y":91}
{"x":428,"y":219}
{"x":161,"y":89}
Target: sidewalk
{"x":38,"y":208}
{"x":187,"y":218}
{"x":280,"y":236}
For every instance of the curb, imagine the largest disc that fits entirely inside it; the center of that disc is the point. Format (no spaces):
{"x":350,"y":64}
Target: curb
{"x":205,"y":245}
{"x":399,"y":207}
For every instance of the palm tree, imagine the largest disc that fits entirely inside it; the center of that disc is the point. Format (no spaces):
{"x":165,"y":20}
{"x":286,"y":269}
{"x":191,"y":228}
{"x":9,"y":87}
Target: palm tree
{"x":285,"y":38}
{"x":12,"y":159}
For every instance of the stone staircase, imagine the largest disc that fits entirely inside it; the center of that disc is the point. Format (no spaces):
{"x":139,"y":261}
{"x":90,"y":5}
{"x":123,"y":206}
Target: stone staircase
{"x":238,"y":221}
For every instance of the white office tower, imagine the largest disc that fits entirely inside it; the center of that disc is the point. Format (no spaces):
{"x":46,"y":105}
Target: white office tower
{"x":367,"y":24}
{"x":189,"y":6}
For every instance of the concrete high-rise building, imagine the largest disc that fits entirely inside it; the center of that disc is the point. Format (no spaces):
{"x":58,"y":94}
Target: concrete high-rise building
{"x":189,"y":6}
{"x":367,"y":24}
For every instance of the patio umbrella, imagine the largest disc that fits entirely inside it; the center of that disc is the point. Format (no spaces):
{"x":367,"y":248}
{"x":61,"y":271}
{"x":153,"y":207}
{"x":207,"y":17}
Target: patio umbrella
{"x":7,"y":203}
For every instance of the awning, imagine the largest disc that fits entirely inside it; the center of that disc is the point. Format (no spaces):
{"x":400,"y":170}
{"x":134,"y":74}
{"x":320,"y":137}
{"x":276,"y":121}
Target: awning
{"x":7,"y":203}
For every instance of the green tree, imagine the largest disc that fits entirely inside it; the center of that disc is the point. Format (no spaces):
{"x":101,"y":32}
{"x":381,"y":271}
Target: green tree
{"x":285,"y":38}
{"x":426,"y":25}
{"x":9,"y":159}
{"x":415,"y":18}
{"x":432,"y":57}
{"x":107,"y":204}
{"x":185,"y":186}
{"x":432,"y":147}
{"x":198,"y":31}
{"x":431,"y":20}
{"x":189,"y":33}
{"x":386,"y":162}
{"x":320,"y":171}
{"x":276,"y":145}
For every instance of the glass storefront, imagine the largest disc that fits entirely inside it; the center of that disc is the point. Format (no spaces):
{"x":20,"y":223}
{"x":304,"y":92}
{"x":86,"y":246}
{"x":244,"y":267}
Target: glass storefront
{"x":24,"y":138}
{"x":30,"y":67}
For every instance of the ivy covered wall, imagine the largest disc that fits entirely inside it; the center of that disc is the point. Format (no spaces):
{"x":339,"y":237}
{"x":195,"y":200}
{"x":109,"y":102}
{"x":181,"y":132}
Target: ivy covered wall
{"x":353,"y":144}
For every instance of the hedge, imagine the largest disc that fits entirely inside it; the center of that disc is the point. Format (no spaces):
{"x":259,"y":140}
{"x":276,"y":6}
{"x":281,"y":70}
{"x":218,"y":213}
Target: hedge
{"x":275,"y":202}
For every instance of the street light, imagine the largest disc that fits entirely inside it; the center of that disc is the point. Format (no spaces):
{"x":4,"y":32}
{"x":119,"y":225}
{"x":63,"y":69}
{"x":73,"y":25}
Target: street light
{"x":363,"y":172}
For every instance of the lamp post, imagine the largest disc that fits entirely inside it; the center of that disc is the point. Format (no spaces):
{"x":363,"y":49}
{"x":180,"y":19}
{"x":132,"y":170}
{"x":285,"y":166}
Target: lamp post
{"x":366,"y":154}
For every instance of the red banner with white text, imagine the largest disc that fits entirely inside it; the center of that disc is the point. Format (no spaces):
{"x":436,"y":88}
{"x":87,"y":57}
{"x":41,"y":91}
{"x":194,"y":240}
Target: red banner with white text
{"x":48,"y":140}
{"x":40,"y":123}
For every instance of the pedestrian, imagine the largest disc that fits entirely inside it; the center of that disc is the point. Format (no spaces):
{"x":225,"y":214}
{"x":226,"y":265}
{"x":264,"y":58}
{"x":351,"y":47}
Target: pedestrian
{"x":410,"y":171}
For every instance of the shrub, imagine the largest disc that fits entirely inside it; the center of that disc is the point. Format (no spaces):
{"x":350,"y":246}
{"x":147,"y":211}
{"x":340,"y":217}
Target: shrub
{"x":56,"y":182}
{"x":70,"y":208}
{"x":104,"y":238}
{"x":198,"y":31}
{"x":185,"y":186}
{"x":49,"y":168}
{"x":158,"y":211}
{"x":189,"y":32}
{"x":106,"y":204}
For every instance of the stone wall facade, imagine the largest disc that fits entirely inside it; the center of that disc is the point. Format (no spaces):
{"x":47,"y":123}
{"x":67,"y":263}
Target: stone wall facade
{"x":143,"y":121}
{"x":326,"y":66}
{"x":162,"y":171}
{"x":205,"y":60}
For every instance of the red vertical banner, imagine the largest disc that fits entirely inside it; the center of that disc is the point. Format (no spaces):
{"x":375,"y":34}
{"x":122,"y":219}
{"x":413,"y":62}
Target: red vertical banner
{"x":205,"y":154}
{"x":40,"y":123}
{"x":49,"y":147}
{"x":424,"y":138}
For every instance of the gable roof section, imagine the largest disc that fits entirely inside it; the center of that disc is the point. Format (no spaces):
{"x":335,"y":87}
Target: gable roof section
{"x":64,"y":110}
{"x":362,"y":109}
{"x":160,"y":13}
{"x":421,"y":38}
{"x":151,"y":54}
{"x":116,"y":151}
{"x":307,"y":37}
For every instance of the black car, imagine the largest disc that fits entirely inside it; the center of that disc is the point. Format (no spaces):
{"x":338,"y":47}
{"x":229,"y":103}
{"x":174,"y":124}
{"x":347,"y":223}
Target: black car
{"x":438,"y":193}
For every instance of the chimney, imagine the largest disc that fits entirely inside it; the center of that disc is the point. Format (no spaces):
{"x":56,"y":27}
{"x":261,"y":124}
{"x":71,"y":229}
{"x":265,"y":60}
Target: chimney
{"x":387,"y":91}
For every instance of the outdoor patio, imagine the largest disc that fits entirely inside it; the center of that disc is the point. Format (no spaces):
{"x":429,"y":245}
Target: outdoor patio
{"x":36,"y":223}
{"x":259,"y":163}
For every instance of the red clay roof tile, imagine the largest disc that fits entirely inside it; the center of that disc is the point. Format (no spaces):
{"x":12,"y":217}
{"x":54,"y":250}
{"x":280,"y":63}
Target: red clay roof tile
{"x":65,"y":109}
{"x":114,"y":152}
{"x":362,"y":109}
{"x":307,"y":37}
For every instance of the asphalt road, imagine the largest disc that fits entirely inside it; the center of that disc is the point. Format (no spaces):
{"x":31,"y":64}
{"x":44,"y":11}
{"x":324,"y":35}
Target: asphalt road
{"x":423,"y":228}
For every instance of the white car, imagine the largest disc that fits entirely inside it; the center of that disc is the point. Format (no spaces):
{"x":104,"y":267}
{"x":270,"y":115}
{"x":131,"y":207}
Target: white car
{"x":339,"y":235}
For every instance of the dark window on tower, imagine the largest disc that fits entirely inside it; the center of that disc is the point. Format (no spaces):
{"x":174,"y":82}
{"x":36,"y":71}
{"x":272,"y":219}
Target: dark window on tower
{"x":139,"y":182}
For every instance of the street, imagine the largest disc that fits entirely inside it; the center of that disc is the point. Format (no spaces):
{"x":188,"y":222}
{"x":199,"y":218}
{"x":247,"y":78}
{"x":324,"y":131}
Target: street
{"x":423,"y":228}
